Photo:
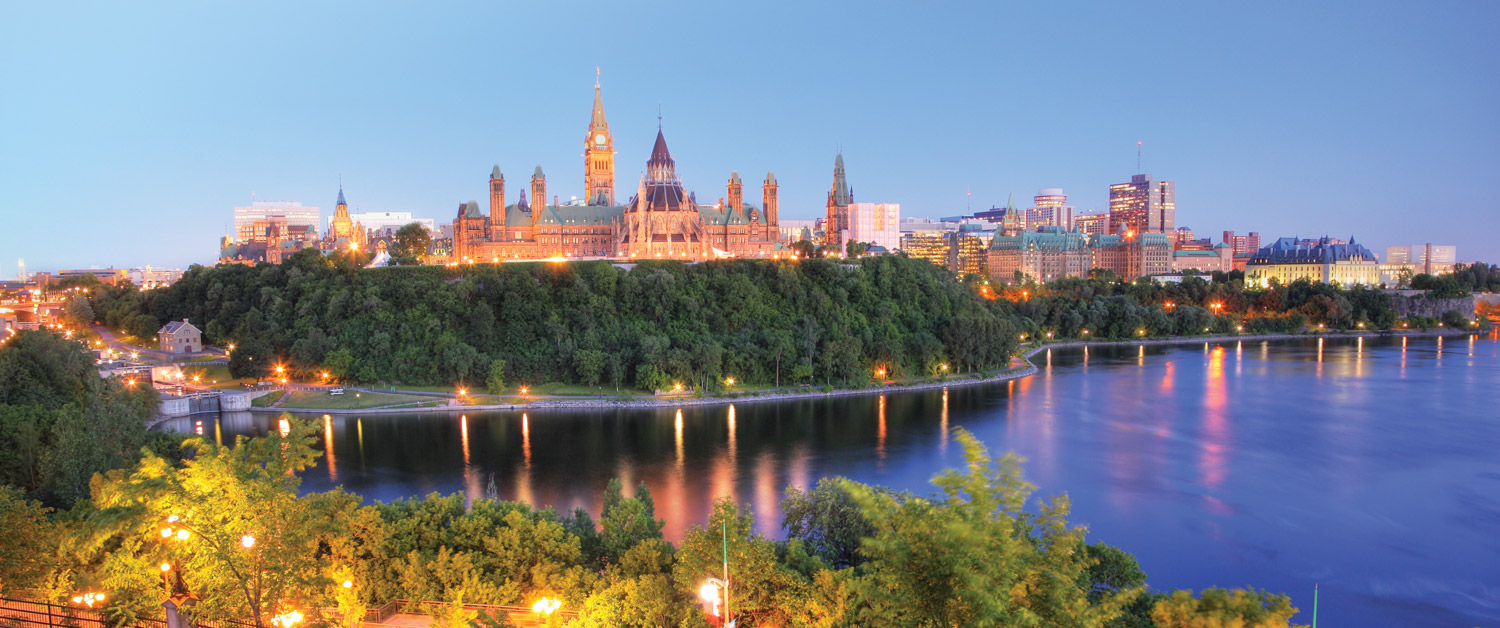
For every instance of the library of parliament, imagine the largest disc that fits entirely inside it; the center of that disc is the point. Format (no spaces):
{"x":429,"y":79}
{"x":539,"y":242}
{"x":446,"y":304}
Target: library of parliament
{"x":659,"y":220}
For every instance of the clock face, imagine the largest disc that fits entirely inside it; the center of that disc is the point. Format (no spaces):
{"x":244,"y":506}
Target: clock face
{"x":599,"y":139}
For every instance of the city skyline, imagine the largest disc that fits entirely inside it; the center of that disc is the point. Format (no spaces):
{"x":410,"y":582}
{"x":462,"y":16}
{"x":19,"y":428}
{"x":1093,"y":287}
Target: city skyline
{"x":1297,"y":122}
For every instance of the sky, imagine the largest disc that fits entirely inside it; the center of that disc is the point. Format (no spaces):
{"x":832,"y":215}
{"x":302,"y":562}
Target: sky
{"x":130,"y":131}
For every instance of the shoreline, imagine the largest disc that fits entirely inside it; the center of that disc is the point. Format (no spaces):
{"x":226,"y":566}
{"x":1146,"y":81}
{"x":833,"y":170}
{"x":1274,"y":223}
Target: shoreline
{"x":1027,"y":370}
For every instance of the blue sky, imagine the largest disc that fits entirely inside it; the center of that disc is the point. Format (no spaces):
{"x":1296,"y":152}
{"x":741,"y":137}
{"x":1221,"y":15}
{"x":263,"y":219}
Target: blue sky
{"x":129,"y":131}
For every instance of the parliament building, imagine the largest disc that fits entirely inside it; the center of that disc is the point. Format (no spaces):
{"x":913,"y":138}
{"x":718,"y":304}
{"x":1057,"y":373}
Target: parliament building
{"x":661,"y":219}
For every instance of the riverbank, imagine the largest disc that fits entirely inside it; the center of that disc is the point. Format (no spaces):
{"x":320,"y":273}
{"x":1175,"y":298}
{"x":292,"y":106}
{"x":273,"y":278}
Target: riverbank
{"x":1025,"y":368}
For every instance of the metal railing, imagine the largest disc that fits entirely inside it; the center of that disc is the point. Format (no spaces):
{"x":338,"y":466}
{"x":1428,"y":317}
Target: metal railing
{"x":22,"y":613}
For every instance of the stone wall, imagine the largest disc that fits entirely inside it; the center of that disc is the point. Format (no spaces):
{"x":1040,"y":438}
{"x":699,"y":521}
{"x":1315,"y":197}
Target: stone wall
{"x":1405,"y":306}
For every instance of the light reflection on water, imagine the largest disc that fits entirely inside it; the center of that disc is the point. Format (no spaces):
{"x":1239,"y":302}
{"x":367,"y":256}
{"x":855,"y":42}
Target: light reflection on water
{"x":1368,"y":466}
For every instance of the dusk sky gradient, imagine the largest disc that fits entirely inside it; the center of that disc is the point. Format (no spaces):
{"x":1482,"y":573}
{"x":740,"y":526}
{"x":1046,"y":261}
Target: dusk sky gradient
{"x":129,"y":131}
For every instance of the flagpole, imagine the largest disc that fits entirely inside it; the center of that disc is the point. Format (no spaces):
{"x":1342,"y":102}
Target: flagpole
{"x":1315,"y":605}
{"x":724,"y":529}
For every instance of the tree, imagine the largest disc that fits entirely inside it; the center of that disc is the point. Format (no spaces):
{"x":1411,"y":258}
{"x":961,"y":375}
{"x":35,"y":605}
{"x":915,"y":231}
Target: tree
{"x":1219,"y":607}
{"x":30,"y":542}
{"x":758,"y":580}
{"x":625,"y":522}
{"x":590,"y":365}
{"x":78,"y":311}
{"x":804,"y":248}
{"x":959,"y":558}
{"x":495,"y":382}
{"x":411,"y":243}
{"x":828,"y":521}
{"x":855,"y":249}
{"x":237,"y":532}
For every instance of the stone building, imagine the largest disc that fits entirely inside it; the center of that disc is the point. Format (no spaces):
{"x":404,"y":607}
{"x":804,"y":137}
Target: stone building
{"x":180,"y":337}
{"x":1325,"y":260}
{"x":1048,"y":254}
{"x":661,"y":220}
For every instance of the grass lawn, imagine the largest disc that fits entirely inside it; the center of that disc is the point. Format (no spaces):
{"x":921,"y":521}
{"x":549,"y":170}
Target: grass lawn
{"x":267,"y":399}
{"x":201,"y":358}
{"x":137,"y":342}
{"x":351,"y":400}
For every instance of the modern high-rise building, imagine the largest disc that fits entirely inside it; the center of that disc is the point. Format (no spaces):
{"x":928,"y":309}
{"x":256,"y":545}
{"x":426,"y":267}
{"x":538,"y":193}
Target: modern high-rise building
{"x":287,"y":213}
{"x":1092,"y":224}
{"x":1424,"y":258}
{"x":1246,"y":244}
{"x":1051,"y":209}
{"x":1144,"y":205}
{"x":876,"y":223}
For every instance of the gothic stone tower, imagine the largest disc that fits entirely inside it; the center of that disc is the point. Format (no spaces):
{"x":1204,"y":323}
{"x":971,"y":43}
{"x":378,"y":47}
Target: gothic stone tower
{"x":839,"y":199}
{"x":342,"y":227}
{"x":538,"y":195}
{"x":599,"y":156}
{"x":768,"y":204}
{"x":736,"y":194}
{"x":497,"y":199}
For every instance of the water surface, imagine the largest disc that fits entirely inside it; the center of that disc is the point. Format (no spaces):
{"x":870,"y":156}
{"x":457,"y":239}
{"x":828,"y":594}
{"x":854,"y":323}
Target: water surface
{"x":1369,"y":466}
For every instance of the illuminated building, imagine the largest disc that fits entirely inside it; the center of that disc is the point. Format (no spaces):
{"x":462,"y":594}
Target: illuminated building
{"x":935,"y":247}
{"x":661,"y":220}
{"x":388,"y":222}
{"x":1219,"y":257}
{"x":1246,"y":244}
{"x":1184,"y":234}
{"x":1092,"y":224}
{"x":1144,"y":205}
{"x":877,"y":223}
{"x":962,"y":252}
{"x":250,"y":222}
{"x":1324,"y":260}
{"x":1051,"y":209}
{"x":179,"y":337}
{"x":1047,"y":254}
{"x":1424,"y":258}
{"x":1132,"y":256}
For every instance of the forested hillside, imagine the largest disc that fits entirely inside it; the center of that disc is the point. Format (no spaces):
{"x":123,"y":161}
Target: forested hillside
{"x":815,"y":321}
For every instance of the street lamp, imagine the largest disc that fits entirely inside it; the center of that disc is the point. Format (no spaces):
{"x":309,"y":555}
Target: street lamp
{"x":546,"y":606}
{"x":729,"y":381}
{"x":710,"y":594}
{"x":88,"y":599}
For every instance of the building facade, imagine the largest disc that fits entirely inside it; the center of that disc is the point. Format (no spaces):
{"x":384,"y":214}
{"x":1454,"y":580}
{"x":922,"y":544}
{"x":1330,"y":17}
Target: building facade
{"x":1219,"y":258}
{"x":661,"y":220}
{"x":1133,"y":255}
{"x":1050,"y":209}
{"x":1045,"y":255}
{"x":1424,"y":258}
{"x":877,"y":223}
{"x":287,"y":213}
{"x":1092,"y":224}
{"x":1246,"y":244}
{"x":180,"y":337}
{"x":1144,"y":205}
{"x":1325,"y":260}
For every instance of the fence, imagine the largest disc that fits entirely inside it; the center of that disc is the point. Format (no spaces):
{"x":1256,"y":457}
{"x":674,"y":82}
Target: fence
{"x":520,"y":616}
{"x":19,"y":613}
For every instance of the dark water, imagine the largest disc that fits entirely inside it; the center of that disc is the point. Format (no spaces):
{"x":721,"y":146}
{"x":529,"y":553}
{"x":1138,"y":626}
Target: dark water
{"x":1371,"y":467}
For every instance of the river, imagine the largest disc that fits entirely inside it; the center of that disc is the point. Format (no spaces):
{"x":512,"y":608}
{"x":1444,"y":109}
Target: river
{"x":1370,"y":467}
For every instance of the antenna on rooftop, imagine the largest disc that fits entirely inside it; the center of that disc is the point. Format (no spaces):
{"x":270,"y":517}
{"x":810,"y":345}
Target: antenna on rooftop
{"x":1138,"y":157}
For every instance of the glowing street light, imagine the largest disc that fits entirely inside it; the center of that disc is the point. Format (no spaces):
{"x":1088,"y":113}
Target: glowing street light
{"x":546,"y":606}
{"x":1140,"y":332}
{"x":729,"y":381}
{"x":88,"y":599}
{"x":287,"y":619}
{"x":944,"y":367}
{"x":880,"y":372}
{"x":348,"y":584}
{"x":524,"y":390}
{"x":1085,"y":332}
{"x":247,"y":541}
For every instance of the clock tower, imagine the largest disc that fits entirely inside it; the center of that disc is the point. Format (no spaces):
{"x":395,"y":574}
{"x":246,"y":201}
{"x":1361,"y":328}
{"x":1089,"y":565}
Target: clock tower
{"x":599,"y":155}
